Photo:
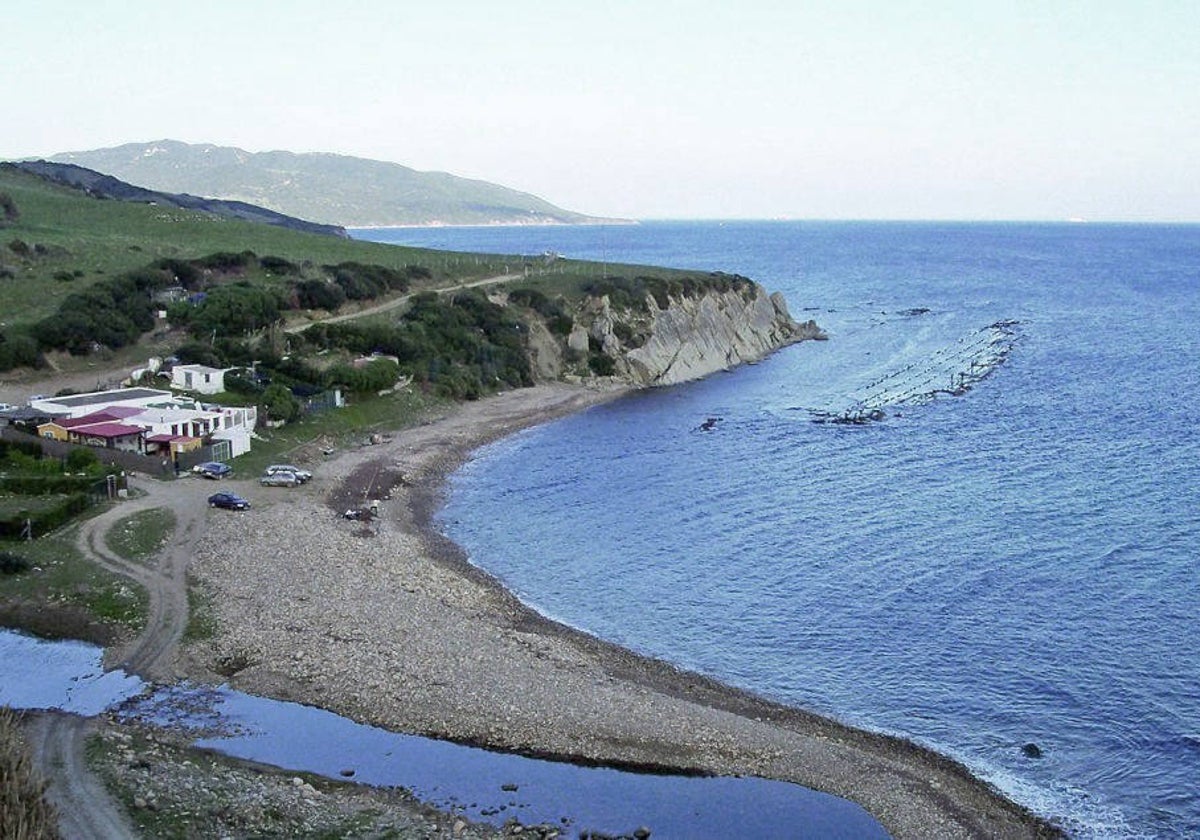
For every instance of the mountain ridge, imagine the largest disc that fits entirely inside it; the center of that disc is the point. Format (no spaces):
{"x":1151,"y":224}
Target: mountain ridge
{"x":322,"y":187}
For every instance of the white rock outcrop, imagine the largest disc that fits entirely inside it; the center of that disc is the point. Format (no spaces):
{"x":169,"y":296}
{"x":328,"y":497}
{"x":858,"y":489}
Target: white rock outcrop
{"x":695,"y":336}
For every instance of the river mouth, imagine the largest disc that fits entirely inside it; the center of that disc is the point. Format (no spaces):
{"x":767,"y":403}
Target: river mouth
{"x":474,"y":783}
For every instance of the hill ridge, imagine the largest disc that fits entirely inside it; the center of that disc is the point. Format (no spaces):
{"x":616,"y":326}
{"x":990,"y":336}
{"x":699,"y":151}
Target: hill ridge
{"x":324,"y":187}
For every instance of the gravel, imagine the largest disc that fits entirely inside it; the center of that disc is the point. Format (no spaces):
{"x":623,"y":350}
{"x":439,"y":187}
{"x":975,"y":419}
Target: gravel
{"x":385,"y":622}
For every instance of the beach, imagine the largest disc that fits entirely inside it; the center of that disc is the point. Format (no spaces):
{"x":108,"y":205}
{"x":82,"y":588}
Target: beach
{"x":386,"y":622}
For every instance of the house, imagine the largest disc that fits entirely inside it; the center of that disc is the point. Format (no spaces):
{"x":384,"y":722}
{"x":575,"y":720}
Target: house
{"x":168,"y":423}
{"x":199,"y":378}
{"x":110,"y":435}
{"x":78,"y":405}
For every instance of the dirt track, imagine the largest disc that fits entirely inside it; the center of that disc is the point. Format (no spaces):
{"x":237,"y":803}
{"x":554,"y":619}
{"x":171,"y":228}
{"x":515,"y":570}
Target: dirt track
{"x":85,"y":808}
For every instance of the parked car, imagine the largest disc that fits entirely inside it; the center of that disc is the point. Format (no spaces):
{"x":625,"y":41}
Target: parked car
{"x":212,"y":469}
{"x":229,"y":501}
{"x":301,"y":475}
{"x":279,"y":478}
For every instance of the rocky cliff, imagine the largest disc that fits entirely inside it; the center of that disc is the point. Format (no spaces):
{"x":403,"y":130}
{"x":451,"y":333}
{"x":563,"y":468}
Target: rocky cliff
{"x":674,"y":338}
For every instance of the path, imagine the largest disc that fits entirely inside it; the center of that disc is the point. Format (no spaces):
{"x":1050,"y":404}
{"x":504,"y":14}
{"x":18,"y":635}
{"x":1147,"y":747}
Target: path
{"x":86,"y":811}
{"x":395,"y":302}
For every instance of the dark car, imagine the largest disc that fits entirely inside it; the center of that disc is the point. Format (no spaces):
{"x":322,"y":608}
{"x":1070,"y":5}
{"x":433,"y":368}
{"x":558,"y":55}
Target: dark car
{"x":229,"y":501}
{"x":212,"y":469}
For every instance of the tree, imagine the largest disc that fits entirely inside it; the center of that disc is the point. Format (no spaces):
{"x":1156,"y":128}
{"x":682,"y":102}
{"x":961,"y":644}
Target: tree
{"x":280,"y":404}
{"x":81,"y":460}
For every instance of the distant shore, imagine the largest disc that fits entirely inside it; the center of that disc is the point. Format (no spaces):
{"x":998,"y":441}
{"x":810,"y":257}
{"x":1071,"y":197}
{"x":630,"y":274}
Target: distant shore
{"x":388,"y":623}
{"x":545,"y":223}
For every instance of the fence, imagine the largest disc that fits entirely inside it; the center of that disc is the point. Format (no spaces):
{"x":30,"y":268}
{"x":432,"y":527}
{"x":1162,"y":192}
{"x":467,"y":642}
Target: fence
{"x":128,"y":461}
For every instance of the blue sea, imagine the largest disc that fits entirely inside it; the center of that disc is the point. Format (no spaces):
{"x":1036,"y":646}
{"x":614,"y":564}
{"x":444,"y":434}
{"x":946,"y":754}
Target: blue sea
{"x":984,"y":568}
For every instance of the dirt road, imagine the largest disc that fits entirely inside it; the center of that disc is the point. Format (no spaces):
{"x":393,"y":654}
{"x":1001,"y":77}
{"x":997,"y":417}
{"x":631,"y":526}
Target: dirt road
{"x":398,"y":301}
{"x":86,"y":811}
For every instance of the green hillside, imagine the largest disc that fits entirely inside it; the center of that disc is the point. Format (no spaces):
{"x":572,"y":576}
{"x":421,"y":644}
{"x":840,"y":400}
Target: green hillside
{"x":326,"y":188}
{"x":62,"y":241}
{"x":83,"y":277}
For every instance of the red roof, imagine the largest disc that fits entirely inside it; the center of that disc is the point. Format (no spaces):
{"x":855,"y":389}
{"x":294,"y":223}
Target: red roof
{"x":116,"y":412}
{"x":163,"y":438}
{"x":107,"y":430}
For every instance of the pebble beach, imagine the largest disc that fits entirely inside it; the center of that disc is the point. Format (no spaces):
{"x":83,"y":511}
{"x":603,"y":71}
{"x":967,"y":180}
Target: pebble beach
{"x":386,"y":622}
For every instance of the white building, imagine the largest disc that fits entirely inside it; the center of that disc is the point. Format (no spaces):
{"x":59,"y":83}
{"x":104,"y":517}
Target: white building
{"x":164,"y":416}
{"x":78,"y":405}
{"x":199,"y":378}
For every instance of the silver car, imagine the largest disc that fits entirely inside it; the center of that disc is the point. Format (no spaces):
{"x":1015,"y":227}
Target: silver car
{"x":301,"y":475}
{"x":279,"y":478}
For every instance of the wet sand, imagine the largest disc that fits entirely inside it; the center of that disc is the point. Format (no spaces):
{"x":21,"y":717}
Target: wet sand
{"x":388,"y":623}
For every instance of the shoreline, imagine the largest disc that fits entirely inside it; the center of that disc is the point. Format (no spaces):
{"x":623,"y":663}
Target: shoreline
{"x":390,"y":624}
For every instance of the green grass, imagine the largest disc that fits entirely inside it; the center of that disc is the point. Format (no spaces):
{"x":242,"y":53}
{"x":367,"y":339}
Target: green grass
{"x":141,"y":535}
{"x":90,"y":239}
{"x":202,"y":617}
{"x":12,"y":503}
{"x":339,"y":429}
{"x":63,"y":577}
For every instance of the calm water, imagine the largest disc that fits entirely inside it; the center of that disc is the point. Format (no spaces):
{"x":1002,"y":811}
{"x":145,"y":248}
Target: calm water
{"x":485,"y":786}
{"x":1014,"y":565}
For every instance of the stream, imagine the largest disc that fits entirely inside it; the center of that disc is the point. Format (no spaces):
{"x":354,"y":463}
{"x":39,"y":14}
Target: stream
{"x":479,"y":784}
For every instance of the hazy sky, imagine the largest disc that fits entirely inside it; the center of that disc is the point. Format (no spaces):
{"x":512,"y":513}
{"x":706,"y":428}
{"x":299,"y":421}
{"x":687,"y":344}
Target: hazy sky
{"x":926,"y":110}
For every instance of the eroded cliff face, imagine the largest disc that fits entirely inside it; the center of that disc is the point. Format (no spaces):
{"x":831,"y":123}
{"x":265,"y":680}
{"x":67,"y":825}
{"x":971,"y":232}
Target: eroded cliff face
{"x":691,"y":337}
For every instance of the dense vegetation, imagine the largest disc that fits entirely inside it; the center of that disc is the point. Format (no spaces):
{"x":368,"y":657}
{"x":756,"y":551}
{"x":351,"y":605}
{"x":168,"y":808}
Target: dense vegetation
{"x":624,"y":293}
{"x":24,"y":813}
{"x":43,"y":493}
{"x":214,"y":301}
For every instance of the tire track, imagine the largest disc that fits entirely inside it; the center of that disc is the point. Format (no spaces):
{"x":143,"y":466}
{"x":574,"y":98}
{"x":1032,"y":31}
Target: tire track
{"x":86,"y":810}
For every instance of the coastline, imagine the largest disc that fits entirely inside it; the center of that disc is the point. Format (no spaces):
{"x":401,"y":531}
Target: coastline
{"x":389,"y":623}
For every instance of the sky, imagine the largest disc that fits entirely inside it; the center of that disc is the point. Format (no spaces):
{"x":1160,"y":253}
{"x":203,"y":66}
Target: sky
{"x":1040,"y":110}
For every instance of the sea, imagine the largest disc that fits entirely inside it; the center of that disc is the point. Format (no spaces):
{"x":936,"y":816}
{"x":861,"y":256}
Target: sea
{"x":970,"y":518}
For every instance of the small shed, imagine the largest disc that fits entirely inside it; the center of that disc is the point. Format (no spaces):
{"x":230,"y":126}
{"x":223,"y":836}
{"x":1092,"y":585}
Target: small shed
{"x":199,"y":378}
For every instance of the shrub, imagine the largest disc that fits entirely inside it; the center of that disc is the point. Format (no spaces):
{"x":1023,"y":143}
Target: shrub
{"x":602,"y":365}
{"x":12,"y":564}
{"x":233,"y":309}
{"x":8,"y":209}
{"x":280,"y":404}
{"x":81,"y":460}
{"x":319,"y":294}
{"x":18,"y":349}
{"x":227,"y":262}
{"x":278,"y":265}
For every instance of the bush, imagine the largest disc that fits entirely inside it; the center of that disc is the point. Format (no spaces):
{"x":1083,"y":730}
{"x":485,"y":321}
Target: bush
{"x":8,"y":209}
{"x":81,"y":460}
{"x":233,"y":309}
{"x":48,"y":519}
{"x":17,"y":349}
{"x":319,"y":294}
{"x":278,"y":265}
{"x":602,"y":365}
{"x":280,"y":404}
{"x":12,"y":564}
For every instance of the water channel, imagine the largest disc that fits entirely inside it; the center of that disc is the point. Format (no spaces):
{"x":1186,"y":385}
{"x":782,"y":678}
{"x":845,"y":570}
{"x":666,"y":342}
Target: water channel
{"x":480,"y":784}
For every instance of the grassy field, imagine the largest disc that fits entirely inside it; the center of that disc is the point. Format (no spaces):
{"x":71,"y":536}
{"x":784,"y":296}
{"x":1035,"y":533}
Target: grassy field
{"x":140,"y":536}
{"x":338,"y":429}
{"x":64,"y":595}
{"x":62,"y":241}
